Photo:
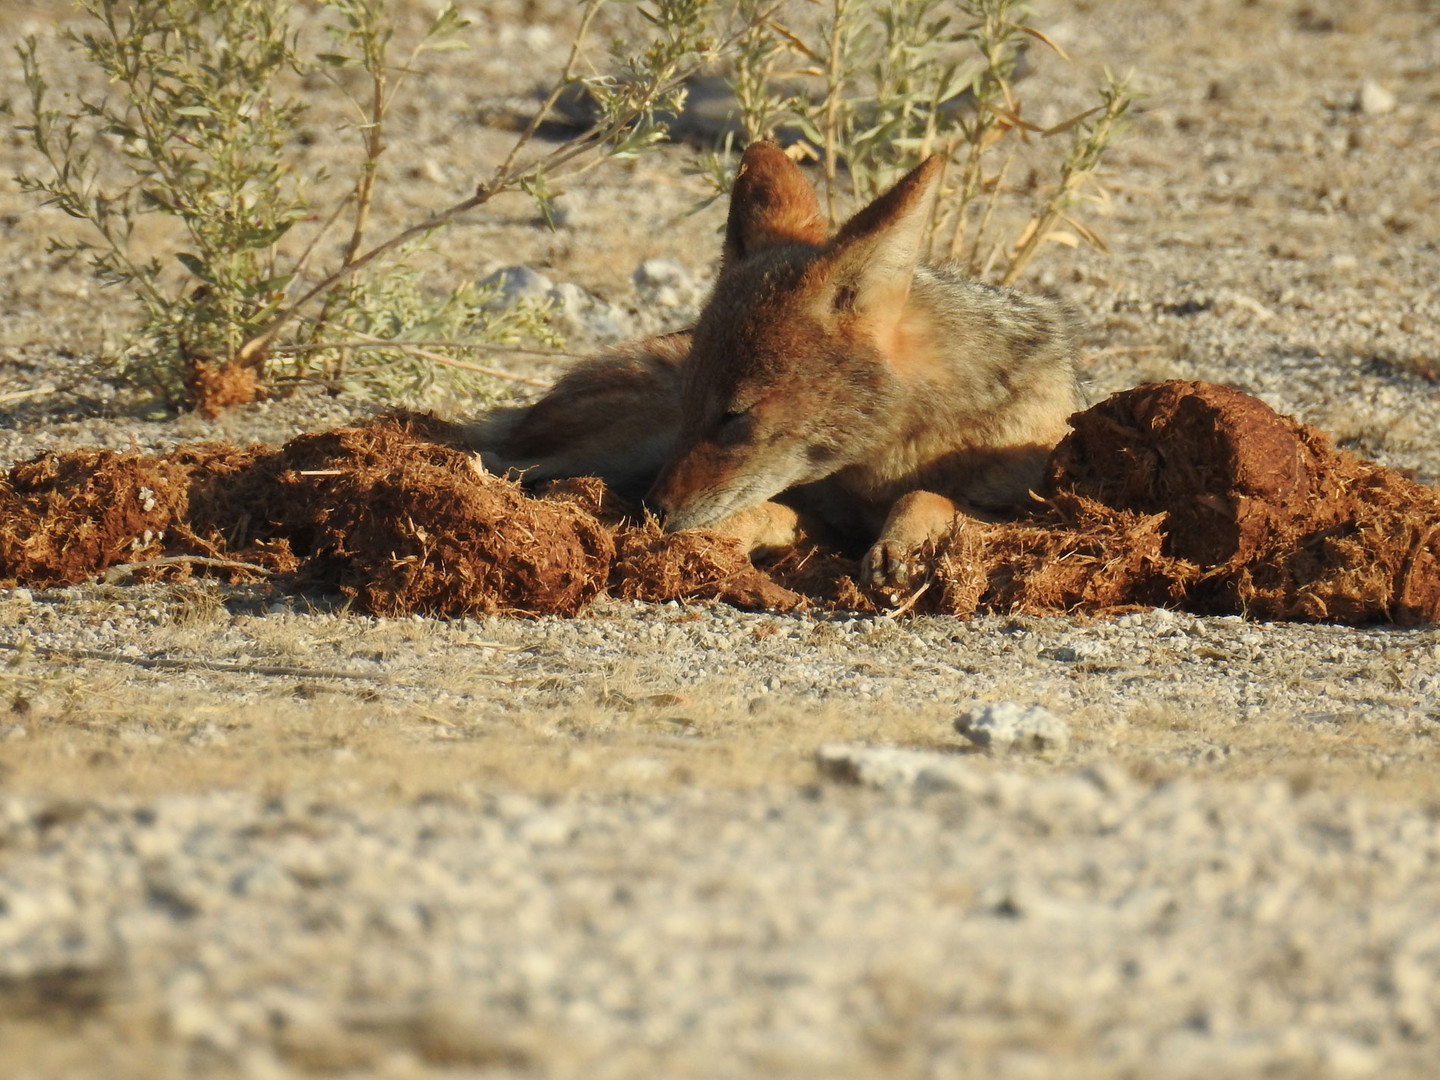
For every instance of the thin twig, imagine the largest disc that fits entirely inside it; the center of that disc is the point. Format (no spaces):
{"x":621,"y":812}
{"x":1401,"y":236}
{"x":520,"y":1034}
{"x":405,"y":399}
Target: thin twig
{"x":304,"y":258}
{"x":1044,"y":225}
{"x":20,"y":395}
{"x":481,"y":369}
{"x":118,"y":572}
{"x":385,"y":343}
{"x":895,"y":613}
{"x":374,"y":146}
{"x":932,"y":227}
{"x":834,"y":81}
{"x":989,"y":210}
{"x":368,"y":340}
{"x":566,"y":75}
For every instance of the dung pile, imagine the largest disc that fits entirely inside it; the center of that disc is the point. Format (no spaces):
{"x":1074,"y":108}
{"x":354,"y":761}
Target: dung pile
{"x":653,"y":565}
{"x":397,"y":515}
{"x":1080,"y":555}
{"x":1280,"y":523}
{"x":1175,"y":494}
{"x":1188,"y":494}
{"x":67,"y":517}
{"x":392,"y":513}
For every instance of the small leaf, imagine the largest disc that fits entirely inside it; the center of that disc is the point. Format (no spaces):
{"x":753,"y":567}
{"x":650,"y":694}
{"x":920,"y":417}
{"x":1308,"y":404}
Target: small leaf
{"x":1090,"y":235}
{"x":795,"y":43}
{"x":154,"y":199}
{"x":337,"y":60}
{"x":275,"y":284}
{"x":1013,"y":119}
{"x":255,"y":239}
{"x":195,"y":266}
{"x":1038,"y":35}
{"x":449,"y":21}
{"x":1066,"y":125}
{"x":1026,"y":233}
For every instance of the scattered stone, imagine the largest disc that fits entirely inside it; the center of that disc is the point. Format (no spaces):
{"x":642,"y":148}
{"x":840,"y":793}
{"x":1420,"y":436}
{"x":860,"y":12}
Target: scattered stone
{"x":1374,"y":99}
{"x":665,"y":291}
{"x":665,"y":283}
{"x":582,"y":314}
{"x":1007,"y":725}
{"x":517,"y":284}
{"x":1077,"y":651}
{"x":892,"y":768}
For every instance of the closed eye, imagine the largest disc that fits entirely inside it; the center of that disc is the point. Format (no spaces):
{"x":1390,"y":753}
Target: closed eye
{"x":735,"y":426}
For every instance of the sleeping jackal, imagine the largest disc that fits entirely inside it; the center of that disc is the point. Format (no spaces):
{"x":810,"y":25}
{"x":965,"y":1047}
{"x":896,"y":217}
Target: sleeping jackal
{"x":841,"y":377}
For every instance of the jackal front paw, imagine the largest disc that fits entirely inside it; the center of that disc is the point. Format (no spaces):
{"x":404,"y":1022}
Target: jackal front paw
{"x":891,"y":567}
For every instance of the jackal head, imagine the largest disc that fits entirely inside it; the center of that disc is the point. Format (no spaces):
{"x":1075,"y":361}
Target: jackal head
{"x":793,"y":368}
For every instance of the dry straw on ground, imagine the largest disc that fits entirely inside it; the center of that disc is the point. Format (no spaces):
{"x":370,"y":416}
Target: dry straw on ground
{"x":1172,"y":494}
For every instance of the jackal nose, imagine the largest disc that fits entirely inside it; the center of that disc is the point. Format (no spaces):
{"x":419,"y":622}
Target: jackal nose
{"x":662,"y":502}
{"x":655,"y":502}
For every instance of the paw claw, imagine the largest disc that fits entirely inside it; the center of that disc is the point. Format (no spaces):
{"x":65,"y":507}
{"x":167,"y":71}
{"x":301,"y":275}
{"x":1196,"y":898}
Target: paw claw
{"x":888,"y":567}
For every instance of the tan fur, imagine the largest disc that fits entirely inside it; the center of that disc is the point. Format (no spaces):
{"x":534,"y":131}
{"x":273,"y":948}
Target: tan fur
{"x":614,"y":415}
{"x":842,"y":377}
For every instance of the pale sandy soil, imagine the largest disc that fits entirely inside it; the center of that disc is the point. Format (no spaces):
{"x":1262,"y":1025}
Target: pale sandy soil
{"x":246,"y":833}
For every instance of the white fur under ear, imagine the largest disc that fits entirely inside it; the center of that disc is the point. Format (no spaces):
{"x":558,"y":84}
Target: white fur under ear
{"x":872,"y":261}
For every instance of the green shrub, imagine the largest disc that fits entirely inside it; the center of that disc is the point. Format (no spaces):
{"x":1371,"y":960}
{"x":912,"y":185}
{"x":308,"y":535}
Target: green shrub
{"x":208,"y":133}
{"x":872,"y":89}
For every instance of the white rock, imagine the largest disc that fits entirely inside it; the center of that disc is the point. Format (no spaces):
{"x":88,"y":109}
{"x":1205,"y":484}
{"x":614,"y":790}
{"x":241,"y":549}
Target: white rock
{"x":664,"y":283}
{"x":653,"y":273}
{"x":517,"y":284}
{"x":892,"y":768}
{"x":1008,"y":725}
{"x":585,"y":315}
{"x":1375,"y":100}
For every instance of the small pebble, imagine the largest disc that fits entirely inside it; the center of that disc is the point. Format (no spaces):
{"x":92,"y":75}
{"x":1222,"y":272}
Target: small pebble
{"x":1006,"y":725}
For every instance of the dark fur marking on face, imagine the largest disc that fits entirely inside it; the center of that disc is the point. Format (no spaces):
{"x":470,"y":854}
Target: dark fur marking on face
{"x":819,"y":454}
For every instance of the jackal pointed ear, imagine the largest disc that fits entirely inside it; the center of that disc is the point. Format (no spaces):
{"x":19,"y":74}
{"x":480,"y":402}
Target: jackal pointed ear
{"x":771,"y":204}
{"x":872,"y":261}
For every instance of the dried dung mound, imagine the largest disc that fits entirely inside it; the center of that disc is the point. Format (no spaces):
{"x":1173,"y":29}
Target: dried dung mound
{"x":1227,"y":469}
{"x":1081,"y":556}
{"x":66,"y":517}
{"x":393,"y":513}
{"x":398,"y":515}
{"x":1177,"y":494}
{"x":1279,"y":523}
{"x":653,"y":565}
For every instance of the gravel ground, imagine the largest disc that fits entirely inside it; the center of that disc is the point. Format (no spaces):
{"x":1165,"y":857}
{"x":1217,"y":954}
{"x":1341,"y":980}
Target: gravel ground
{"x":250,"y":833}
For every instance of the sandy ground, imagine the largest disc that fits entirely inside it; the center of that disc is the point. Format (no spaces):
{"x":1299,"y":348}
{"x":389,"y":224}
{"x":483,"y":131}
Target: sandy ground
{"x":249,"y":833}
